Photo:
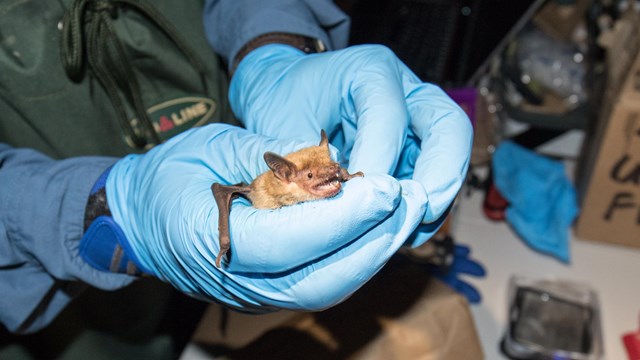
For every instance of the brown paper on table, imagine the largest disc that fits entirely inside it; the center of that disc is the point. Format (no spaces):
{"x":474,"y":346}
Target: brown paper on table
{"x":402,"y":313}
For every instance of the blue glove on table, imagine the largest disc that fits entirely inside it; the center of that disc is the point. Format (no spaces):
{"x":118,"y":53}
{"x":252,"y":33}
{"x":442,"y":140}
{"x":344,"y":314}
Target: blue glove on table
{"x":462,"y":265}
{"x":307,"y":256}
{"x":378,"y":113}
{"x":447,"y":261}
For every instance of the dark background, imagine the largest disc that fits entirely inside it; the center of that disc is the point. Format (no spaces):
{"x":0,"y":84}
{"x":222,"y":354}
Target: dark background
{"x":442,"y":41}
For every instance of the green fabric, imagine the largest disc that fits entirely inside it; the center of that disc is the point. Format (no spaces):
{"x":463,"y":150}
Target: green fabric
{"x":42,"y":109}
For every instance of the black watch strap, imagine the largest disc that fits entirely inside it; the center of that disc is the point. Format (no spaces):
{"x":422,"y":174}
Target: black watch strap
{"x":96,"y":206}
{"x":307,"y":44}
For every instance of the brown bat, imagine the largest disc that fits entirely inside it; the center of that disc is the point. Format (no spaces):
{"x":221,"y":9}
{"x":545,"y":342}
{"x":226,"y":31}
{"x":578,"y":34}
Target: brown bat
{"x":304,"y":175}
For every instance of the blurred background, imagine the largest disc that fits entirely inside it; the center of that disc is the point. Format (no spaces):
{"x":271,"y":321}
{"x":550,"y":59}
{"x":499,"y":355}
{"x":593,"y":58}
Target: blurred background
{"x":539,"y":257}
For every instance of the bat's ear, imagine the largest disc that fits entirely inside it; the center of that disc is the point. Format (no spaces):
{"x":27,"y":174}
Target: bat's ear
{"x":281,"y":167}
{"x":323,"y":139}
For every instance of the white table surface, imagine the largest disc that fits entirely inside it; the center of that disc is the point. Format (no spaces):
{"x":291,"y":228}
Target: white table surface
{"x":612,"y":271}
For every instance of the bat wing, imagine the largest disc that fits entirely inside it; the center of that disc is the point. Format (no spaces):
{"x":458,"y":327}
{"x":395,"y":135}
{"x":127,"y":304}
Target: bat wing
{"x":224,"y":194}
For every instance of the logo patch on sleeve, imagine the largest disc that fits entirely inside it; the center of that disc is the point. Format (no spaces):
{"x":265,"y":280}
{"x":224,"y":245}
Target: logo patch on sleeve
{"x":174,"y":116}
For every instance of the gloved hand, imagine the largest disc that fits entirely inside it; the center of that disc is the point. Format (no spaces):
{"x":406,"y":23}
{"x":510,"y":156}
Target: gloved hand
{"x":462,"y":264}
{"x":447,"y":261}
{"x":306,"y":256}
{"x":375,"y":110}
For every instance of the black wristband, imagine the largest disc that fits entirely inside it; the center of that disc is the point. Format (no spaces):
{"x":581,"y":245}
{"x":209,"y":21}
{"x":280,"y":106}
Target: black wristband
{"x":96,"y":206}
{"x":307,"y":44}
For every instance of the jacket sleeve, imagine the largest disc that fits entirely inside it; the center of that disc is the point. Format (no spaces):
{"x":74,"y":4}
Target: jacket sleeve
{"x":42,"y":204}
{"x":229,"y":24}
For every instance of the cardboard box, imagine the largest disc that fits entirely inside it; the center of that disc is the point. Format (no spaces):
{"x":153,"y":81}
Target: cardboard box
{"x":560,"y":20}
{"x":610,"y":209}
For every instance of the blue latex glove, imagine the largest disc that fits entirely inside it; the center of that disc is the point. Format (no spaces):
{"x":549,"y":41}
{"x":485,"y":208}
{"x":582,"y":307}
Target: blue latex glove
{"x":375,"y":110}
{"x":462,"y":265}
{"x":449,"y":262}
{"x":307,"y":256}
{"x":542,"y":201}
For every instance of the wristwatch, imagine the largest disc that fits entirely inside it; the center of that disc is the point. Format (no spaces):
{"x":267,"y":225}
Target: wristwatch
{"x":307,"y":44}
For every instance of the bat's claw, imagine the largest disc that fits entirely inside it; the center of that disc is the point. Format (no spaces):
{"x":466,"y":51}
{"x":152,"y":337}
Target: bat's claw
{"x":224,"y":248}
{"x":345,"y":176}
{"x":219,"y":258}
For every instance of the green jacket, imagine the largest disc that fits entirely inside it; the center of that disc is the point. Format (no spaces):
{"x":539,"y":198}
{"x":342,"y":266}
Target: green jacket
{"x":43,"y":109}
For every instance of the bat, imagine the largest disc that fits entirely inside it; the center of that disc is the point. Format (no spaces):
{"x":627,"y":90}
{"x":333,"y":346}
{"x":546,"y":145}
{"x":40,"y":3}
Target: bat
{"x":305,"y":175}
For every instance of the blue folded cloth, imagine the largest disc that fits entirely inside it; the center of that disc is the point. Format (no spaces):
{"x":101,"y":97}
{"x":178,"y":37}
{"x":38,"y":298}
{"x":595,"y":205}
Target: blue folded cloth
{"x":542,"y":201}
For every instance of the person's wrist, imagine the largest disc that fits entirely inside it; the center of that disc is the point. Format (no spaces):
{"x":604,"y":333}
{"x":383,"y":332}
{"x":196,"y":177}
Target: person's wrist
{"x":306,"y":44}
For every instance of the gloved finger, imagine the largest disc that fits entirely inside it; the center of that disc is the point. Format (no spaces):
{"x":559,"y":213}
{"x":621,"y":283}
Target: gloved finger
{"x":460,"y":251}
{"x":465,"y":265}
{"x":445,"y":135}
{"x":355,"y":94}
{"x":408,"y":158}
{"x":243,"y":159}
{"x":463,"y":288}
{"x":423,"y":233}
{"x":231,"y":154}
{"x":376,"y":101}
{"x":246,"y":84}
{"x":300,"y":102}
{"x":272,"y":241}
{"x":331,"y":279}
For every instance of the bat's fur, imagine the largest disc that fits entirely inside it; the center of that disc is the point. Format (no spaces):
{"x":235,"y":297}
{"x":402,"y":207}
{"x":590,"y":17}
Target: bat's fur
{"x":304,"y":175}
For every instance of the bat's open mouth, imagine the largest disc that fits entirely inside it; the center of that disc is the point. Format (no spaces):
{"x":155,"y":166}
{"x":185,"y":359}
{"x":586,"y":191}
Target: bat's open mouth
{"x":330,"y":187}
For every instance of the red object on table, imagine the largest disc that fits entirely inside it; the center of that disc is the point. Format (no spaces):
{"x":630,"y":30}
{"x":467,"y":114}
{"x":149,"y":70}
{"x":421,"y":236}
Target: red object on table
{"x":632,"y":344}
{"x":494,"y":205}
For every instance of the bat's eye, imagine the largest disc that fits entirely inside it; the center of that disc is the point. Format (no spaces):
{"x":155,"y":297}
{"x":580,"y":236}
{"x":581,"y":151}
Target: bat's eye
{"x":310,"y":175}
